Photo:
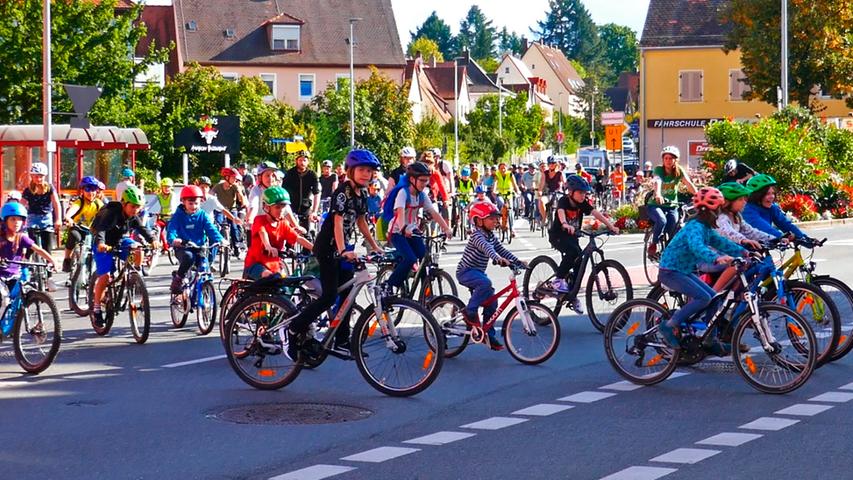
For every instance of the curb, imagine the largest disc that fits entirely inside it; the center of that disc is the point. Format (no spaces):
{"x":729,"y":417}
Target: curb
{"x":824,"y":223}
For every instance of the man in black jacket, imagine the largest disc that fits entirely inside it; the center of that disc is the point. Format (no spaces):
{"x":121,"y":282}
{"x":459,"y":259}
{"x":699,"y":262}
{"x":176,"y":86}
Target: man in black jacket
{"x":304,"y":188}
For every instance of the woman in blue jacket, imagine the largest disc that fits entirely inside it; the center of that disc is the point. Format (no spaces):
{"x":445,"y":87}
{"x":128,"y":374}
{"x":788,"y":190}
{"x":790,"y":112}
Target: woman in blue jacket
{"x":762,"y":211}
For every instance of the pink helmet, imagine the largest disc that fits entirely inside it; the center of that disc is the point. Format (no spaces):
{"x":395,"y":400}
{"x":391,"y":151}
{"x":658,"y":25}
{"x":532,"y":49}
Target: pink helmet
{"x":708,"y":197}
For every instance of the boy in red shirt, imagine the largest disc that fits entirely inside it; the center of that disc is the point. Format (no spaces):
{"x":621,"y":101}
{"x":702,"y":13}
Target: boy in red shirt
{"x":270,"y":234}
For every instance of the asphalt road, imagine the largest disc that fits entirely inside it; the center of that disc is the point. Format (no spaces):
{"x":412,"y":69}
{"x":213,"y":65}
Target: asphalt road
{"x":111,"y":409}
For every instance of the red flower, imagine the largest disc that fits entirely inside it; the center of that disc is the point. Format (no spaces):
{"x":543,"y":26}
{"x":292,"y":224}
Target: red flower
{"x":818,"y":172}
{"x":813,"y":161}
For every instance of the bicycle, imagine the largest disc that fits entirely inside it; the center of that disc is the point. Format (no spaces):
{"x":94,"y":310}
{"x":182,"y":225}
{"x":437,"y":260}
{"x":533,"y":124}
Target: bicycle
{"x":530,"y":330}
{"x":773,"y":346}
{"x":507,"y":218}
{"x":429,"y":280}
{"x":153,"y":256}
{"x":197,"y":293}
{"x":460,"y":217}
{"x":32,"y":319}
{"x":650,"y":264}
{"x":608,"y":285}
{"x":125,"y":290}
{"x":395,"y":329}
{"x":81,"y":270}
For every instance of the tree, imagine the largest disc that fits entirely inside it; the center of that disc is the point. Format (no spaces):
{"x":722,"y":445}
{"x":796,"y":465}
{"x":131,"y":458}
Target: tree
{"x":510,"y":43}
{"x":438,"y":31}
{"x":90,"y":44}
{"x":592,"y":93}
{"x":621,"y":50}
{"x":569,"y":26}
{"x":819,"y":48}
{"x":521,"y":129}
{"x":427,"y":134}
{"x":489,"y":65}
{"x":427,"y":48}
{"x":476,"y":35}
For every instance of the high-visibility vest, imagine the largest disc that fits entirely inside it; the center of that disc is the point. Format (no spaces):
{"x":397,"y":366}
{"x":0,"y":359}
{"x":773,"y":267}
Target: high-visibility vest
{"x":503,"y":183}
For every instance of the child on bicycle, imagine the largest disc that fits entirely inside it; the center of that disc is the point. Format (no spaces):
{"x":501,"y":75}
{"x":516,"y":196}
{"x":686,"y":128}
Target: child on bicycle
{"x":471,"y":272}
{"x":271,"y":233}
{"x":14,"y":243}
{"x":114,"y":221}
{"x":565,"y":229}
{"x":347,"y":212}
{"x":762,"y":211}
{"x":696,"y":243}
{"x":81,"y":212}
{"x":374,"y":200}
{"x":189,"y":224}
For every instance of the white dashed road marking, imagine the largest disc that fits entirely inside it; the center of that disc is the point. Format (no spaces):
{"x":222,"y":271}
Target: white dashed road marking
{"x":849,"y":386}
{"x":640,"y":473}
{"x":804,"y":409}
{"x":494,"y":423}
{"x":587,"y":397}
{"x":542,"y":410}
{"x":381,"y":454}
{"x":623,"y":386}
{"x":440,"y":438}
{"x":834,"y":397}
{"x":685,"y":455}
{"x":193,"y":362}
{"x":315,"y":472}
{"x":769,"y":423}
{"x":729,"y":439}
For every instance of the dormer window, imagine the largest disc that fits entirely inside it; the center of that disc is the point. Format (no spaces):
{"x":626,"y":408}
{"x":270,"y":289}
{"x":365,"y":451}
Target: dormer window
{"x":192,"y":26}
{"x":285,"y":37}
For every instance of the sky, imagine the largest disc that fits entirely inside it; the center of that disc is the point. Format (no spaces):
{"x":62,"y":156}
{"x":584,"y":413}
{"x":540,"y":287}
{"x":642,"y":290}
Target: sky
{"x":410,"y":14}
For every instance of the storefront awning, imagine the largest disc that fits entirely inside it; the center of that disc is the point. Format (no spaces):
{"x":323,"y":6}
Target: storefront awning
{"x":92,"y":138}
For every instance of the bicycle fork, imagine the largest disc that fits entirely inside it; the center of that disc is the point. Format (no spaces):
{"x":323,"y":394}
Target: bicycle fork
{"x":524,"y":313}
{"x":387,"y":328}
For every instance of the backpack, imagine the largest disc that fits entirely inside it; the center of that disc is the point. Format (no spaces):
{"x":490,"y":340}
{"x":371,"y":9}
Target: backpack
{"x":387,"y":214}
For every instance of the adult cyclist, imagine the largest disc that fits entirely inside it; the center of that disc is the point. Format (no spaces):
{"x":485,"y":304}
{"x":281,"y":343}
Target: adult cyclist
{"x":506,"y":188}
{"x":663,"y":204}
{"x":552,"y":182}
{"x":304,"y":188}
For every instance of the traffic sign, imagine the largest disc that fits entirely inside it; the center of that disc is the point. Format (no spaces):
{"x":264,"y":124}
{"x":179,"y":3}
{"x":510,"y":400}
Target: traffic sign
{"x":612,"y":118}
{"x":613,"y":136}
{"x":560,"y":137}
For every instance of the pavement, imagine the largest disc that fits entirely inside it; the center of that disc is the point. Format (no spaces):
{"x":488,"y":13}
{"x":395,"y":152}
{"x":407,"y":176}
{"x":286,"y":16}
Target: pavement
{"x":111,"y":409}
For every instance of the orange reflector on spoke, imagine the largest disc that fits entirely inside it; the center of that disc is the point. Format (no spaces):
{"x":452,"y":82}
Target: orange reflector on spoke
{"x":633,"y":328}
{"x":372,"y":329}
{"x":842,"y":339}
{"x":750,"y":365}
{"x":266,"y":372}
{"x":795,"y":329}
{"x":427,"y":360}
{"x":655,"y":360}
{"x":427,"y":292}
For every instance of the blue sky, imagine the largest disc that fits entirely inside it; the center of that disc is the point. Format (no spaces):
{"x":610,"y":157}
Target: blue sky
{"x":411,"y":13}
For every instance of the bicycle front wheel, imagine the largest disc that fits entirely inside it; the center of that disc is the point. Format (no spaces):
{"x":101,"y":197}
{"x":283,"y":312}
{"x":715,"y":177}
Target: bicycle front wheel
{"x":206,"y":308}
{"x":108,"y":309}
{"x":633,"y":345}
{"x":37,"y":332}
{"x":531,"y":340}
{"x":819,"y":311}
{"x":138,"y":308}
{"x":441,"y":283}
{"x":842,"y":296}
{"x":536,"y":284}
{"x":399,"y":358}
{"x":229,"y":299}
{"x":609,"y":286}
{"x":78,"y":290}
{"x":650,"y":264}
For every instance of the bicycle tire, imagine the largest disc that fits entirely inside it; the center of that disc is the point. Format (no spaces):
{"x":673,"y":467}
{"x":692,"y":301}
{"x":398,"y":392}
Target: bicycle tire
{"x":442,"y":283}
{"x":179,"y":308}
{"x":447,"y":311}
{"x":108,"y":310}
{"x":22,"y":329}
{"x":635,"y":348}
{"x":138,"y":311}
{"x":825,"y":318}
{"x":229,"y":299}
{"x":428,"y":361}
{"x":510,"y":225}
{"x":802,"y":367}
{"x":610,"y":294}
{"x":78,"y":285}
{"x":206,"y":315}
{"x":650,"y":267}
{"x":540,"y":270}
{"x":543,"y":321}
{"x":842,"y":297}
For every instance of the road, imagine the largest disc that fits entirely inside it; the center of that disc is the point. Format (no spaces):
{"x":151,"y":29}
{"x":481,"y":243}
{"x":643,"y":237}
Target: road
{"x":111,"y":409}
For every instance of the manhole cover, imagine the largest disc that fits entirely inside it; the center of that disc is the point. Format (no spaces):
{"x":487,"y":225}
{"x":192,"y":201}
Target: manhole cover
{"x":292,"y":414}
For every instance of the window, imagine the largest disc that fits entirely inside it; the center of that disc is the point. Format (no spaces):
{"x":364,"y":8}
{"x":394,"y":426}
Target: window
{"x":737,"y":85}
{"x":269,"y":79}
{"x":690,"y":86}
{"x":306,"y":87}
{"x":506,"y":69}
{"x":285,"y":37}
{"x":192,"y":26}
{"x":230,"y":76}
{"x":341,"y":80}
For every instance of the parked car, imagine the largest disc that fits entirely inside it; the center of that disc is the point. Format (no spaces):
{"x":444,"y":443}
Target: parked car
{"x":594,"y":160}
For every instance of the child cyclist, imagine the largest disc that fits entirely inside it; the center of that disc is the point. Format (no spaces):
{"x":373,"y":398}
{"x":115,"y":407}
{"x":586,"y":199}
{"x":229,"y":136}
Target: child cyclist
{"x":189,"y":224}
{"x":564,"y":231}
{"x":81,"y":212}
{"x":762,"y":211}
{"x":14,"y":243}
{"x":271,"y":233}
{"x":696,"y":243}
{"x":111,"y":223}
{"x":482,"y":246}
{"x":347,"y":212}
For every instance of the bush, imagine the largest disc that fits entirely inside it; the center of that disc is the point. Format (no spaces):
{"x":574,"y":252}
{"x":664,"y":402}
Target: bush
{"x":626,"y":211}
{"x":801,"y":206}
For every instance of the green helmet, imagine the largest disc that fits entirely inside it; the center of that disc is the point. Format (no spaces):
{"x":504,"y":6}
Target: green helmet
{"x":167,"y":182}
{"x":133,"y":195}
{"x":733,"y":190}
{"x":276,"y":196}
{"x":760,"y":181}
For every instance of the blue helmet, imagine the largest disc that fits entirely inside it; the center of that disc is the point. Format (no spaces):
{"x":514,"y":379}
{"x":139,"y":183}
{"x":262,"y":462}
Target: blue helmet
{"x":362,"y":158}
{"x":576,"y":182}
{"x":90,"y":182}
{"x":466,"y":172}
{"x":127,"y":173}
{"x":479,"y":189}
{"x":13,"y":209}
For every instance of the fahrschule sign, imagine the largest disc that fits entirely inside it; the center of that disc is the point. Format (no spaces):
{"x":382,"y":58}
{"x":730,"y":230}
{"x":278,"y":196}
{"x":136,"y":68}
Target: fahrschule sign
{"x":681,"y":123}
{"x":217,"y":135}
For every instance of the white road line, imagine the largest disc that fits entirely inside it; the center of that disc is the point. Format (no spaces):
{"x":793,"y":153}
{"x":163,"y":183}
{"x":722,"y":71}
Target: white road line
{"x":834,"y":397}
{"x":685,"y":455}
{"x":849,"y":386}
{"x":381,"y":454}
{"x":494,"y":423}
{"x":623,"y":386}
{"x":677,"y":375}
{"x":440,"y":438}
{"x":314,"y":472}
{"x":730,"y":439}
{"x":640,"y":473}
{"x":587,"y":397}
{"x":542,"y":410}
{"x":804,"y":409}
{"x":769,"y":423}
{"x":193,"y":362}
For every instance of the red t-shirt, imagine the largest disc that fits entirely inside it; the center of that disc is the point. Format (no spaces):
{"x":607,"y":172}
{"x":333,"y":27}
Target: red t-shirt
{"x":436,"y":186}
{"x":279,"y":234}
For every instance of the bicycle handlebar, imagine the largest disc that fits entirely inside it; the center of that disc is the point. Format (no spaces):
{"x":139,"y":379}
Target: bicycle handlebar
{"x":26,"y":264}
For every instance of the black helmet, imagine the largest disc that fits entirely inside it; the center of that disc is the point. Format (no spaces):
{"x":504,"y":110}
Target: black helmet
{"x":418,"y":169}
{"x":576,"y":182}
{"x":551,"y":160}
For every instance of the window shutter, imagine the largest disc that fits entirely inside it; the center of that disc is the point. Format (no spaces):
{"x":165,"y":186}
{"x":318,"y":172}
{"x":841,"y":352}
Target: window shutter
{"x":697,"y":85}
{"x":682,"y":87}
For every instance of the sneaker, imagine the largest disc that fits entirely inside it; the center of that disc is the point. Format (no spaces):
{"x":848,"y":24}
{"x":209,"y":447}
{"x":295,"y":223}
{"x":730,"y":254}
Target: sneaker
{"x":560,"y":285}
{"x":471,"y":319}
{"x":653,"y":250}
{"x":98,"y":316}
{"x":671,"y":335}
{"x":66,"y":265}
{"x":50,"y":285}
{"x":576,"y":306}
{"x":177,"y":284}
{"x":494,"y":343}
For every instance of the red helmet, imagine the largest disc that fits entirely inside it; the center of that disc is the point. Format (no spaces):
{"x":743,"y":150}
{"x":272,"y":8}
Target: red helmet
{"x":228,"y":172}
{"x":708,"y":197}
{"x":483,"y":210}
{"x":191,"y":191}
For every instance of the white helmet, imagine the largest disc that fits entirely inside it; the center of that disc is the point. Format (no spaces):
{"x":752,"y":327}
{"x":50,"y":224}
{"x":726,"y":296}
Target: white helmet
{"x":730,"y":166}
{"x":14,"y":195}
{"x":436,"y":152}
{"x":328,"y":163}
{"x":408,"y":152}
{"x":648,"y":165}
{"x":38,"y":168}
{"x":672,"y":150}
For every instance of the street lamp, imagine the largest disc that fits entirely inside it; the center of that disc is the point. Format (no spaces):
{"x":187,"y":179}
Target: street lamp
{"x":784,"y":100}
{"x":456,"y":111}
{"x":592,"y":118}
{"x":47,"y":106}
{"x":560,"y":121}
{"x":352,"y":22}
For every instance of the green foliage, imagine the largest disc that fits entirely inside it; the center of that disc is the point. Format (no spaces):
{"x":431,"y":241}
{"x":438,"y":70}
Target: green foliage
{"x":626,"y":211}
{"x":510,"y":43}
{"x":476,"y":35}
{"x":427,"y":48}
{"x":427,"y":134}
{"x":438,"y":31}
{"x":521,"y":129}
{"x":489,"y":65}
{"x":569,"y":26}
{"x":621,"y":50}
{"x":575,"y":133}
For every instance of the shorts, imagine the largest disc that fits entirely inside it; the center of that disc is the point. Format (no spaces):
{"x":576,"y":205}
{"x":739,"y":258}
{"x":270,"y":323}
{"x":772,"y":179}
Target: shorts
{"x":103,"y":262}
{"x":256,"y":271}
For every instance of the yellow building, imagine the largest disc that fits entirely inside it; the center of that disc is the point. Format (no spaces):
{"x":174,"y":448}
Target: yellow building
{"x":687,"y":80}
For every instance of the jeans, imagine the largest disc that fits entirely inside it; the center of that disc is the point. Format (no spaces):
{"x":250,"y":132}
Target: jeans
{"x":409,"y":251}
{"x":331,"y":277}
{"x":187,"y":259}
{"x":664,"y":219}
{"x":40,"y":229}
{"x":570,"y":249}
{"x":481,"y":289}
{"x":699,"y":293}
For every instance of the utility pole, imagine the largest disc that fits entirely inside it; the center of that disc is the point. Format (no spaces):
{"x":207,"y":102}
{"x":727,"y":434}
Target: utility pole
{"x":456,"y":113}
{"x":784,"y":100}
{"x":592,"y":120}
{"x":352,"y":83}
{"x":47,"y":104}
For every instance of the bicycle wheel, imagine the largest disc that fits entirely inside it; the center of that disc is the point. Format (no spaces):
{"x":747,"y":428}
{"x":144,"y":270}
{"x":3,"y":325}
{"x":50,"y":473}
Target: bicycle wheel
{"x":447,"y":311}
{"x":842,"y":296}
{"x":634,"y":347}
{"x":37,"y":332}
{"x":255,"y":346}
{"x":793,"y":355}
{"x":608,"y":286}
{"x":138,"y":308}
{"x":531,"y":340}
{"x":224,"y":261}
{"x":78,"y":290}
{"x":819,"y":312}
{"x":229,"y":299}
{"x":510,"y":225}
{"x":108,"y":309}
{"x":650,"y":265}
{"x":536,"y":282}
{"x":441,"y":283}
{"x":400,"y":358}
{"x":669,"y":300}
{"x":170,"y":255}
{"x":179,"y":308}
{"x":205,"y":311}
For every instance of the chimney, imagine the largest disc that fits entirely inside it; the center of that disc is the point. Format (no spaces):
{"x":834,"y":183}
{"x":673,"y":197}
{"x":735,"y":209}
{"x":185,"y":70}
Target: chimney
{"x":419,"y":59}
{"x":433,"y":61}
{"x":524,"y":45}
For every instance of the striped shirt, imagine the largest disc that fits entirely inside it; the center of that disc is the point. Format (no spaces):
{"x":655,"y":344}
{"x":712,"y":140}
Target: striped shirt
{"x":482,"y":246}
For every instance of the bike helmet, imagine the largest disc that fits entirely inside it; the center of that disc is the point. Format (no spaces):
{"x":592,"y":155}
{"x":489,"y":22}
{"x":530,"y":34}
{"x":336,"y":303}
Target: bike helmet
{"x":708,"y":197}
{"x":408,"y":152}
{"x":479,"y":189}
{"x":551,"y":160}
{"x":730,"y":166}
{"x":13,"y":209}
{"x":466,"y":172}
{"x":204,"y":181}
{"x":483,"y":210}
{"x":672,"y":150}
{"x":89,"y":182}
{"x":102,"y":186}
{"x":436,"y":152}
{"x":361,"y":158}
{"x":38,"y":168}
{"x":127,"y":173}
{"x":328,"y":163}
{"x":228,"y":172}
{"x":576,"y":182}
{"x":733,"y":190}
{"x":648,"y":165}
{"x":266,"y":166}
{"x":167,"y":182}
{"x":578,"y":167}
{"x":760,"y":181}
{"x":191,"y":191}
{"x":14,"y":196}
{"x":278,"y":174}
{"x":133,"y":195}
{"x":276,"y":196}
{"x":417,"y":169}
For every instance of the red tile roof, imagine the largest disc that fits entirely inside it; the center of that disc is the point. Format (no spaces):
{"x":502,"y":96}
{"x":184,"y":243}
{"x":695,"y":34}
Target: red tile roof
{"x":441,"y":77}
{"x":679,"y":23}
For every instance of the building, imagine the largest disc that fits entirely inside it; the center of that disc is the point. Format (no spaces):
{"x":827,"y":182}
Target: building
{"x":297,"y":47}
{"x":452,"y":91}
{"x":425,"y":100}
{"x":562,"y":81}
{"x":514,"y":75}
{"x":480,"y":82}
{"x":688,"y":81}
